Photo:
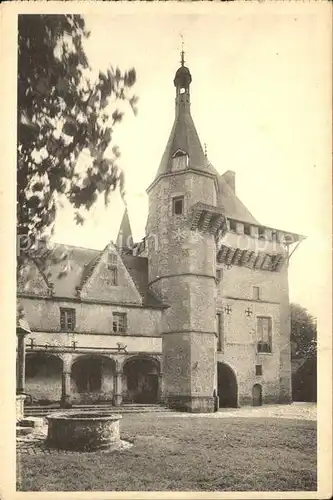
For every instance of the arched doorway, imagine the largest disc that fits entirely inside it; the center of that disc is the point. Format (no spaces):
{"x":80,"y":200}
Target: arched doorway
{"x":226,"y":386}
{"x":257,"y":395}
{"x":141,"y":380}
{"x":43,"y":377}
{"x":93,"y":379}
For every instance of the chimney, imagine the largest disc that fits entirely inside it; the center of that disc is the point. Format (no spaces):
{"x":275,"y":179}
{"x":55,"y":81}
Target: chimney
{"x":230,"y":178}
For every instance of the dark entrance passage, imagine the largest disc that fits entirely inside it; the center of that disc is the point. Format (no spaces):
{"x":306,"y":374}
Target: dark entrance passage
{"x":92,"y":379}
{"x":257,"y":395}
{"x":141,"y":377}
{"x":226,"y":386}
{"x":43,"y":376}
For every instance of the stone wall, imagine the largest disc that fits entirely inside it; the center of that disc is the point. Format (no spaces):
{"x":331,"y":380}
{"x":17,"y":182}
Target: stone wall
{"x":99,"y":286}
{"x":182,"y":273}
{"x":44,"y":315}
{"x":240,"y":332}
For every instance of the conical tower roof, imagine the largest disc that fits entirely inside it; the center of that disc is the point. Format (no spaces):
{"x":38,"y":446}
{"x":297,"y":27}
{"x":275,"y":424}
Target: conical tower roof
{"x":183,"y":136}
{"x":125,"y":237}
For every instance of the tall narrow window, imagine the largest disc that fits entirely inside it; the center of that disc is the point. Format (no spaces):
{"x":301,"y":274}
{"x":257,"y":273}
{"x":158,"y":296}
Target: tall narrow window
{"x":178,"y":205}
{"x":219,"y":274}
{"x":256,"y":293}
{"x":219,"y":332}
{"x":67,"y":319}
{"x":112,"y":266}
{"x":261,"y":233}
{"x":112,"y":260}
{"x":258,"y":370}
{"x":119,"y":322}
{"x":247,"y":229}
{"x":264,"y":334}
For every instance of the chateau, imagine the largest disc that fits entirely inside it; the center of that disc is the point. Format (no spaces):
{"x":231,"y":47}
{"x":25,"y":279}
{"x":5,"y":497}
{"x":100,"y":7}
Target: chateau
{"x":199,"y":308}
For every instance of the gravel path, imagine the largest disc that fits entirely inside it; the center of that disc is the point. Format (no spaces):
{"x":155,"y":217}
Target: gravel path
{"x":302,"y":411}
{"x":34,"y":443}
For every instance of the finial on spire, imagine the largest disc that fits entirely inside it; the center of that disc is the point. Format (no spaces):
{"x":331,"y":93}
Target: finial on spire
{"x":182,"y":51}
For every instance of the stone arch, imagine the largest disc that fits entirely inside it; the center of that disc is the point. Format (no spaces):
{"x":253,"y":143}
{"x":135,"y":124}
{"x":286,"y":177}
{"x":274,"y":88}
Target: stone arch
{"x":227,"y":389}
{"x":43,"y":377}
{"x":257,"y":395}
{"x":141,"y":379}
{"x":92,"y":378}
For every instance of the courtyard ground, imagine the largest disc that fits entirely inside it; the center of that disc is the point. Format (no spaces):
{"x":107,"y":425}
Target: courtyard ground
{"x":234,"y":450}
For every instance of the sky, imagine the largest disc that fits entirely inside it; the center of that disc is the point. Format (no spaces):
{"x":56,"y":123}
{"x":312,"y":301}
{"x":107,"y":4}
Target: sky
{"x":260,"y":100}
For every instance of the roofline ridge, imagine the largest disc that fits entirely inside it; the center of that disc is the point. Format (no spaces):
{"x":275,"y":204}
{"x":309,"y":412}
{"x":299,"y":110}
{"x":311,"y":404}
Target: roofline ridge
{"x":79,"y":247}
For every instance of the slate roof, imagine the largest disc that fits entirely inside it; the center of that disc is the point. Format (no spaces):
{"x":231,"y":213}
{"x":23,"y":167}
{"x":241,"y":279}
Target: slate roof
{"x":138,"y":269}
{"x":233,"y":207}
{"x":79,"y":266}
{"x":183,"y":136}
{"x":22,"y":326}
{"x":70,"y":273}
{"x":125,"y":238}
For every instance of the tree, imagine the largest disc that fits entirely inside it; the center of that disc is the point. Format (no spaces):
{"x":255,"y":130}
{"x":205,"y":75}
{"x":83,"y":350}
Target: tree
{"x":304,"y":354}
{"x":303,"y":332}
{"x":63,"y":113}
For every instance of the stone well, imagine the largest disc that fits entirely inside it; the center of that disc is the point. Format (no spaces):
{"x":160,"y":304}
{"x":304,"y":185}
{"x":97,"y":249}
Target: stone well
{"x":83,"y":431}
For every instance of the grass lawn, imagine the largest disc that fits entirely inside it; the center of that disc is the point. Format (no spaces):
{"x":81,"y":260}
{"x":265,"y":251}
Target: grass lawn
{"x":185,"y":454}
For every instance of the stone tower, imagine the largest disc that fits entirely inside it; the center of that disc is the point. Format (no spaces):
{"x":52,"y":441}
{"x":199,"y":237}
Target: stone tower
{"x":181,"y":230}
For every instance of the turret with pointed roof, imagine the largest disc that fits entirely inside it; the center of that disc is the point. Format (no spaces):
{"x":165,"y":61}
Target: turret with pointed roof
{"x":183,"y":202}
{"x":124,"y":240}
{"x":183,"y":137}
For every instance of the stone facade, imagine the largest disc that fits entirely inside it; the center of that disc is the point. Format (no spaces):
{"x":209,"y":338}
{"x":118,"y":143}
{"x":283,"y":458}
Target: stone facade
{"x":197,"y":312}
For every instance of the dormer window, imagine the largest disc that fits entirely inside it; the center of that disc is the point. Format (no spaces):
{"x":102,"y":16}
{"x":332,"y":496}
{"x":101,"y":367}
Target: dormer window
{"x":179,"y":160}
{"x":178,"y":205}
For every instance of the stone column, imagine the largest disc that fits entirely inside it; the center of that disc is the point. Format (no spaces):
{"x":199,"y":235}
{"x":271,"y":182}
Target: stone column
{"x":160,"y":393}
{"x":66,"y":380}
{"x":20,"y":363}
{"x":22,"y":329}
{"x":118,"y":394}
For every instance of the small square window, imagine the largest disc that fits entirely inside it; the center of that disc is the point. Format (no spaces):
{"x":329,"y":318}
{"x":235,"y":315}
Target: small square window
{"x":258,"y":370}
{"x":256,"y":293}
{"x":219,"y":275}
{"x":67,"y":319}
{"x":119,"y":322}
{"x":233,"y":225}
{"x":178,"y":205}
{"x":261,"y":233}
